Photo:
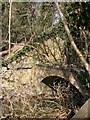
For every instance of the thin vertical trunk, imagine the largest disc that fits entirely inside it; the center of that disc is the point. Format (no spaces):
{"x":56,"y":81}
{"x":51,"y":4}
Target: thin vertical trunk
{"x":9,"y":29}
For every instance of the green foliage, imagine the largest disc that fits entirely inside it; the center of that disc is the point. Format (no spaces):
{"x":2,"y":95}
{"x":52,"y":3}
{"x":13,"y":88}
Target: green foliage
{"x":83,"y":76}
{"x":32,"y":22}
{"x":16,"y":55}
{"x":78,"y":14}
{"x":78,"y":18}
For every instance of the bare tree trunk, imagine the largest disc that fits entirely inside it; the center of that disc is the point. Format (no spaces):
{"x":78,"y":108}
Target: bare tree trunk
{"x":86,"y":64}
{"x":9,"y":28}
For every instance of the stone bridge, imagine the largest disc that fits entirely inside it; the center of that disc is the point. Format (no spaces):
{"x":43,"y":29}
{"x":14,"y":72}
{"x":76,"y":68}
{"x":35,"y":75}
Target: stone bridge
{"x":41,"y":71}
{"x":36,"y":73}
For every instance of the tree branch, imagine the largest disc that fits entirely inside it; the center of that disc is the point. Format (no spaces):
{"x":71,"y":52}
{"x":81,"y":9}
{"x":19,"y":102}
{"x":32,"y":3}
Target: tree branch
{"x":86,"y":64}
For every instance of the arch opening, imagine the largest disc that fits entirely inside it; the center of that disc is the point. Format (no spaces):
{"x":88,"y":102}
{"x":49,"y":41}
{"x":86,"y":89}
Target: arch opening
{"x":64,"y":89}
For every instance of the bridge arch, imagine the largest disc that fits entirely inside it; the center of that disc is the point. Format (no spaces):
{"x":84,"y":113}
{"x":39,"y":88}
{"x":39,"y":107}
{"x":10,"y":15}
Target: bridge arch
{"x":39,"y":73}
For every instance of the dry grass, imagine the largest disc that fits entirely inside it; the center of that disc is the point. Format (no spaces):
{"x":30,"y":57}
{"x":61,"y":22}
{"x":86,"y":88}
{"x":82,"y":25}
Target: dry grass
{"x":18,"y":102}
